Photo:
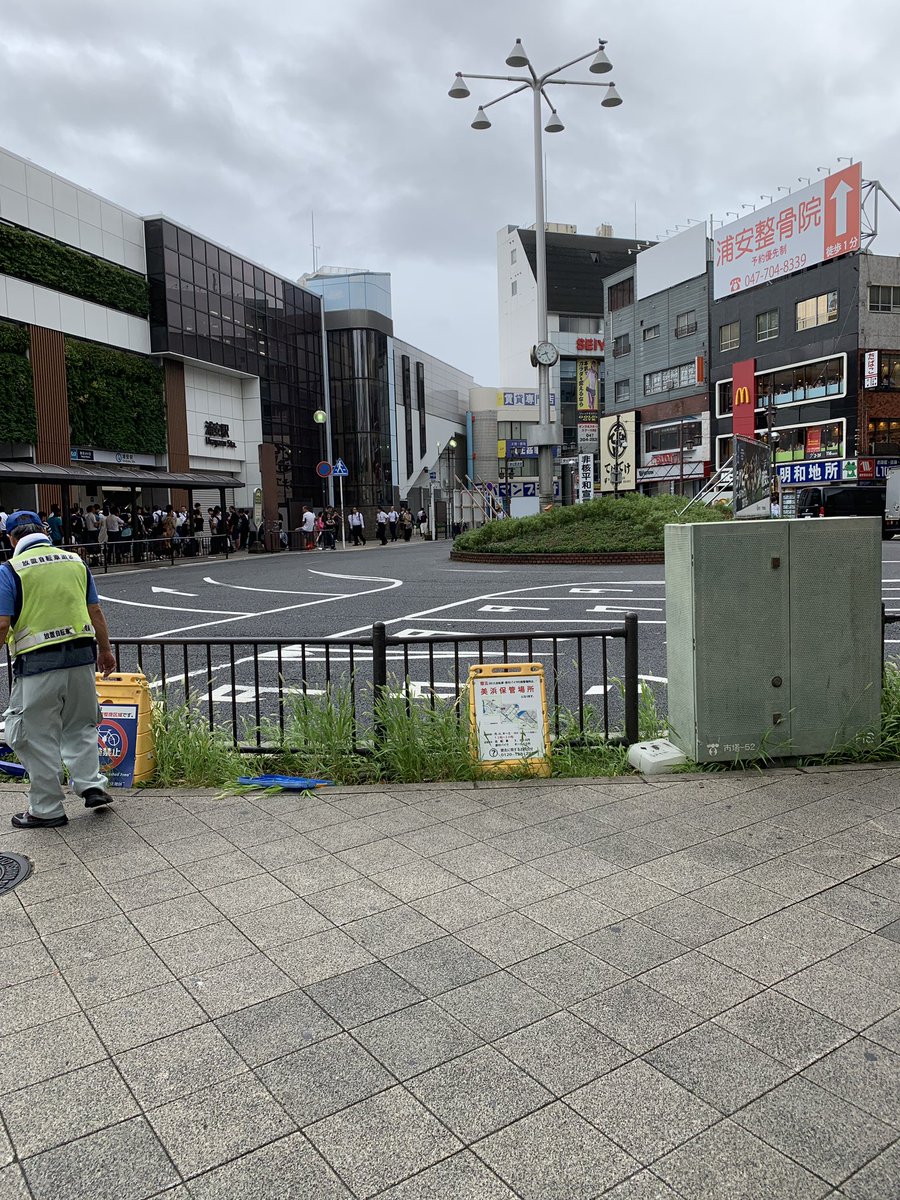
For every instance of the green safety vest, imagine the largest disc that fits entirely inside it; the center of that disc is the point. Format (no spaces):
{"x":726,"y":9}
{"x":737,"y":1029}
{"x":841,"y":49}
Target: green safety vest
{"x":54,"y":599}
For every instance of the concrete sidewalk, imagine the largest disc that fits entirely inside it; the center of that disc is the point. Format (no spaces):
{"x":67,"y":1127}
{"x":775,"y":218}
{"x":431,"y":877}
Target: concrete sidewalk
{"x":641,"y":990}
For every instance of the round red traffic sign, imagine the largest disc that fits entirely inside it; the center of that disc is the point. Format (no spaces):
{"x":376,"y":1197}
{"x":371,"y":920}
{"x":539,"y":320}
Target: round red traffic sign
{"x":323,"y":470}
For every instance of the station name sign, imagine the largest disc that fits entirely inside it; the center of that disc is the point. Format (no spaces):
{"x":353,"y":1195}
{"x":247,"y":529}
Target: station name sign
{"x":218,"y":435}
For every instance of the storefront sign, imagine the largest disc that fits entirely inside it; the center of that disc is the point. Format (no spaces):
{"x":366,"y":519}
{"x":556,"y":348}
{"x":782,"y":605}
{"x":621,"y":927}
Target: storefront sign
{"x":522,"y":400}
{"x":218,"y":434}
{"x":618,"y":453}
{"x":830,"y":471}
{"x":121,"y":457}
{"x":743,"y":419}
{"x":664,"y":460}
{"x":589,"y":345}
{"x":585,"y":477}
{"x":811,"y":226}
{"x":870,"y":376}
{"x":525,"y":489}
{"x":865,"y":468}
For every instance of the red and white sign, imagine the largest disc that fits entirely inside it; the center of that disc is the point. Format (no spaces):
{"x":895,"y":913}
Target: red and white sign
{"x":811,"y":226}
{"x":589,"y":345}
{"x":871,"y":369}
{"x":743,"y":405}
{"x":865,"y":468}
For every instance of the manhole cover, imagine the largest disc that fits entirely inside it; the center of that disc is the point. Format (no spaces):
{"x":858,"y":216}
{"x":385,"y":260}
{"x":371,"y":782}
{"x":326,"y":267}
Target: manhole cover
{"x":14,"y":869}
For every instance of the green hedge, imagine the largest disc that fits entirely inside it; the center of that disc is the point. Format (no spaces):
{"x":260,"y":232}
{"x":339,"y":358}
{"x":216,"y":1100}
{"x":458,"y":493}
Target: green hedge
{"x":633,"y":522}
{"x":40,"y":260}
{"x":18,"y":422}
{"x":116,"y":399}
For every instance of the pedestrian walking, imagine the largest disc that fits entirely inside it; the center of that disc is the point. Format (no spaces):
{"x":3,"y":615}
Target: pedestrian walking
{"x":357,"y":524}
{"x":393,"y":521}
{"x":422,"y":522}
{"x":308,"y":528}
{"x":51,"y":619}
{"x":406,"y":524}
{"x":381,"y":526}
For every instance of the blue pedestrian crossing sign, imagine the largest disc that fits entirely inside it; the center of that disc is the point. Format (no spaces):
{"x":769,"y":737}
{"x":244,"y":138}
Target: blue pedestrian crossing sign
{"x":339,"y":470}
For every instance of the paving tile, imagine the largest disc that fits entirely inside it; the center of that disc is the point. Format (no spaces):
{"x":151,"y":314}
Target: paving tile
{"x":53,"y":916}
{"x":281,"y":924}
{"x":636,"y":1016}
{"x":415,"y":1039}
{"x":741,"y":899}
{"x":383,"y":855}
{"x":344,"y":835}
{"x":874,"y":958}
{"x":434,"y":839}
{"x":863,"y":1073}
{"x":718,"y":1067}
{"x":526,"y":844}
{"x":423,"y":878}
{"x":575,"y":866}
{"x":400,"y":820}
{"x":313,"y":814}
{"x":571,"y":914}
{"x":381,"y":1141}
{"x":520,"y":885}
{"x":223,"y":1122}
{"x":168,"y":884}
{"x":567,"y":974}
{"x":883,"y":881}
{"x":509,"y":938}
{"x":687,"y":870}
{"x":478,"y":1093}
{"x":728,"y":1163}
{"x":200,"y":949}
{"x":701,"y":984}
{"x":92,"y":942}
{"x":463,"y":1177}
{"x":632,"y":947}
{"x":220,"y":869}
{"x":458,"y":907}
{"x":891,"y":931}
{"x":688,"y":922}
{"x":626,"y":849}
{"x":805,"y":926}
{"x":30,"y":961}
{"x":784,"y":1029}
{"x":887,"y":1032}
{"x":563,"y":1052}
{"x":841,"y":994}
{"x":352,"y":901}
{"x":289,"y":1165}
{"x":363,"y":994}
{"x":496,"y":1005}
{"x":483,"y":825}
{"x":51,"y":883}
{"x":554,"y":1154}
{"x":145,"y":1016}
{"x":13,"y":1185}
{"x":628,"y":892}
{"x":276,"y":1027}
{"x":165,"y":832}
{"x":393,"y":931}
{"x":178,"y":1065}
{"x":642,"y":1186}
{"x":248,"y":895}
{"x":168,"y":918}
{"x":793,"y":881}
{"x":761,"y":955}
{"x":235,"y":985}
{"x":324,"y":1078}
{"x":320,"y":956}
{"x":258,"y":832}
{"x":642,"y":1110}
{"x":315,"y":875}
{"x":122,"y":1162}
{"x":65,"y":1108}
{"x":472,"y":862}
{"x":286,"y":852}
{"x":440,"y":965}
{"x":877,"y":1180}
{"x":15,"y":924}
{"x":29,"y":1003}
{"x":835,"y":861}
{"x":119,"y":975}
{"x":819,"y":1130}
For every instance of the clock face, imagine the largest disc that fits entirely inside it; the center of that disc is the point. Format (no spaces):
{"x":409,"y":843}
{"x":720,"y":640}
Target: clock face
{"x":547,"y":354}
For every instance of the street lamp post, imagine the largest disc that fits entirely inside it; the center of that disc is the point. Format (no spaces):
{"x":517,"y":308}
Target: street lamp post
{"x":545,"y":355}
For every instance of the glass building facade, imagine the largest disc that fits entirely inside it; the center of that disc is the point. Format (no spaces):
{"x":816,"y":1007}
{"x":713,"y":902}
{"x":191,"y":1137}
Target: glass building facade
{"x":358,"y":369}
{"x":209,"y":305}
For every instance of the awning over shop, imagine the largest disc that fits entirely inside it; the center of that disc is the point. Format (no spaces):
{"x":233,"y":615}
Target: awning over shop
{"x":134,"y":477}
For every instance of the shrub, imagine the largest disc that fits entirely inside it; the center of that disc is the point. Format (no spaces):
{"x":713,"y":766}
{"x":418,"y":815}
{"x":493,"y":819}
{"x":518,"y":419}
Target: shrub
{"x":116,"y":399}
{"x":18,"y":422}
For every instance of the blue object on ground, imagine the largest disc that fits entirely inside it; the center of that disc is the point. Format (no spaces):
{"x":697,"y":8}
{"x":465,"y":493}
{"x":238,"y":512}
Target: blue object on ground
{"x":291,"y":783}
{"x":9,"y":768}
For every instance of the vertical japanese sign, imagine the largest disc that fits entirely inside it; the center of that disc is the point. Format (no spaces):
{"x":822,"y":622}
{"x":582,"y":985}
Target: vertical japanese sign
{"x":870,"y":377}
{"x":585,"y":477}
{"x":743,"y":410}
{"x":618,"y":453}
{"x":821,"y":222}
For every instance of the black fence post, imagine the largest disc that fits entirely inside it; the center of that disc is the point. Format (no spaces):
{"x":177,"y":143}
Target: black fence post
{"x":379,"y":672}
{"x":632,"y":683}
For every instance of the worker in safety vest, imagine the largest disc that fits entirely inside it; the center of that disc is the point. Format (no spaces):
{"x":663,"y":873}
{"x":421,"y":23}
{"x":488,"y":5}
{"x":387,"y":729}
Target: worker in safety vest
{"x":51,"y":620}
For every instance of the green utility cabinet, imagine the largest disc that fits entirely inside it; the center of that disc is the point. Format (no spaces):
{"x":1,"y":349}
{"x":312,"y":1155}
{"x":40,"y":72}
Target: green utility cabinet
{"x":774,"y":636}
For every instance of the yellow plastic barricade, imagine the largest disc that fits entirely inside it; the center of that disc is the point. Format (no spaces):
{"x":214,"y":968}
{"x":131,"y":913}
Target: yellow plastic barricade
{"x":508,"y":709}
{"x":125,"y":734}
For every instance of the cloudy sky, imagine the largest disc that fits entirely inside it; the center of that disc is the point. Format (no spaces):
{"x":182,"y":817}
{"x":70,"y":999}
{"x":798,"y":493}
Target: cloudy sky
{"x":240,"y":119}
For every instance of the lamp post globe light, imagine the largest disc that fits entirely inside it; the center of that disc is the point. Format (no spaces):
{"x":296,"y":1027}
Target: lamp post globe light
{"x":545,"y":436}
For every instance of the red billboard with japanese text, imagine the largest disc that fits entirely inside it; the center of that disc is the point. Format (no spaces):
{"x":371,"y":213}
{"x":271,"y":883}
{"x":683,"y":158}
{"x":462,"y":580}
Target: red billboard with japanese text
{"x":818,"y":223}
{"x":743,"y":411}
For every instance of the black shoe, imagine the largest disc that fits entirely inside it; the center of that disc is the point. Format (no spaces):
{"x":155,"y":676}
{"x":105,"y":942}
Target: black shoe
{"x":96,"y":798}
{"x":26,"y":820}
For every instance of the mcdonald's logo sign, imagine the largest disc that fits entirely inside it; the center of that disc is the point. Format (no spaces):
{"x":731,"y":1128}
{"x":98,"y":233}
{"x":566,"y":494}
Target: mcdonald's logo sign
{"x":744,"y":404}
{"x":741,"y":396}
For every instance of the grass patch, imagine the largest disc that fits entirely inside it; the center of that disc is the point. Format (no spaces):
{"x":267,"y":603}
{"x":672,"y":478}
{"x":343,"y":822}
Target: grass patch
{"x":633,"y":522}
{"x":189,"y":753}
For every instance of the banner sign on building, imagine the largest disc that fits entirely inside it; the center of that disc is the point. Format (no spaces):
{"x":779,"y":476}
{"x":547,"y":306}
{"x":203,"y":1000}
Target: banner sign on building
{"x":814,"y":225}
{"x":587,"y":386}
{"x":743,"y":403}
{"x":522,"y":400}
{"x":752,"y":478}
{"x":618,"y":453}
{"x":870,"y":377}
{"x":585,"y":477}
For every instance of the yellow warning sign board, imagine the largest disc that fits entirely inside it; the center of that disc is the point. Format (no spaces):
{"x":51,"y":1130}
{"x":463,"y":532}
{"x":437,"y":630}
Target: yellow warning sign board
{"x":126,"y":739}
{"x":508,"y":710}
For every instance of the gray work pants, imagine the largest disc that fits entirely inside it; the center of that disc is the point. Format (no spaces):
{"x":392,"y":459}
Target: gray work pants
{"x":53,"y":718}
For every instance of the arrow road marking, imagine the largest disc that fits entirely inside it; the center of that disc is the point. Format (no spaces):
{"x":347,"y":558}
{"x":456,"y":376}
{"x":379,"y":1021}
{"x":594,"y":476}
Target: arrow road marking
{"x":172,"y":592}
{"x":512,"y":608}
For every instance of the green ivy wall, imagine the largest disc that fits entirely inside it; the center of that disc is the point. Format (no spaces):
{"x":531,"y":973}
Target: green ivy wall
{"x":116,"y":399}
{"x":40,"y":260}
{"x":18,"y":422}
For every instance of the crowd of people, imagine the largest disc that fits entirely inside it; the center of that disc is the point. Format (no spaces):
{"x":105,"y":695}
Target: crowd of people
{"x":323,"y":529}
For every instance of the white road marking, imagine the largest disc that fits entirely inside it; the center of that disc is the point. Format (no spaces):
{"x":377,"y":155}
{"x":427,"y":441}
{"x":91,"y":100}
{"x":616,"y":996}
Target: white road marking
{"x":524,"y":621}
{"x":172,"y":592}
{"x":619,"y":608}
{"x":472,"y":571}
{"x":595,"y":591}
{"x":240,"y":587}
{"x":165,"y":608}
{"x":512,"y":608}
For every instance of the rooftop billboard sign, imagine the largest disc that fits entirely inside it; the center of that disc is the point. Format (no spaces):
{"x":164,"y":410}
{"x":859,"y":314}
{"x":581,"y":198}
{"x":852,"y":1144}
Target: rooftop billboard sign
{"x":821,"y":222}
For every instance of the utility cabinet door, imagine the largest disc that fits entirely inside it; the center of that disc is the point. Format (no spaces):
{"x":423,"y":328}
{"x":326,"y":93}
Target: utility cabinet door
{"x":836,"y":635}
{"x":742,"y":633}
